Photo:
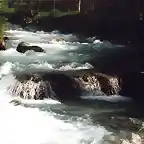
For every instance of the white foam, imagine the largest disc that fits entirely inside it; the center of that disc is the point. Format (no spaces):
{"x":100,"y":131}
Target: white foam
{"x":20,"y":125}
{"x":56,"y":51}
{"x":27,"y":125}
{"x":58,"y":47}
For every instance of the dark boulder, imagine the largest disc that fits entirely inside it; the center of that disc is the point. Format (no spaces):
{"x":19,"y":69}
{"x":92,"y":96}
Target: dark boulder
{"x":93,"y":82}
{"x":70,"y":85}
{"x":62,"y":86}
{"x":2,"y":47}
{"x":45,"y":85}
{"x":23,"y":47}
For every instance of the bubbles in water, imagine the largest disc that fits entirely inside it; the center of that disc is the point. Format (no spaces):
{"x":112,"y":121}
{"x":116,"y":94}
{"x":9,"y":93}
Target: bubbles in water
{"x":5,"y":69}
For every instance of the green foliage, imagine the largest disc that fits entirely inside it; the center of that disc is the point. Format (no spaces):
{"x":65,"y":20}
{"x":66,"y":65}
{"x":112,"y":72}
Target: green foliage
{"x":2,"y":26}
{"x":3,"y":23}
{"x":57,"y":13}
{"x":4,"y":6}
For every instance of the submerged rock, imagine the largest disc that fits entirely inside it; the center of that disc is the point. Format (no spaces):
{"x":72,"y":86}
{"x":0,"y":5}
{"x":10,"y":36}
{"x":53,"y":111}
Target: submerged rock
{"x":62,"y":85}
{"x":23,"y":47}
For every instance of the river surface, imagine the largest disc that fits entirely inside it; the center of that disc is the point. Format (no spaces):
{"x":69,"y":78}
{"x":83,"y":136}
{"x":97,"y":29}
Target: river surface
{"x":96,"y":120}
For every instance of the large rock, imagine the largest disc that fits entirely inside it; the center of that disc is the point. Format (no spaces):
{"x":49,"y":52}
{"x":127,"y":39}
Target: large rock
{"x":2,"y":47}
{"x":62,"y":85}
{"x":23,"y":47}
{"x":92,"y":82}
{"x":45,"y":85}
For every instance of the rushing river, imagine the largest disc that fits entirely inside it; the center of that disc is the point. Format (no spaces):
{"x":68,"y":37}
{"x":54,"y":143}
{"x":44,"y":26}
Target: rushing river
{"x":104,"y":120}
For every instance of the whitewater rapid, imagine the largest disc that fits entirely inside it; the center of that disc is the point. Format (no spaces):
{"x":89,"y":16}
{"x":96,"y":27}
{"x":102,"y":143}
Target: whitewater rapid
{"x":47,"y":121}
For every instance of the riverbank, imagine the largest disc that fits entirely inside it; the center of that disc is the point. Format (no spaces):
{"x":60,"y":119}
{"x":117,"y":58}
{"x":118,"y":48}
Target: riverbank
{"x":116,"y":30}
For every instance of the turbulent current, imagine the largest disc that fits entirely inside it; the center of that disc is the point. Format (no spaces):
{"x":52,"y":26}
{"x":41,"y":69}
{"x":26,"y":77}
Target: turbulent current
{"x":100,"y":120}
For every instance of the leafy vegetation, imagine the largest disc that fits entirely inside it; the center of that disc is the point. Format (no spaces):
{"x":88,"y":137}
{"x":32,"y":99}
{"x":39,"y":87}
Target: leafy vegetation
{"x":2,"y":27}
{"x":4,"y":6}
{"x":56,"y":13}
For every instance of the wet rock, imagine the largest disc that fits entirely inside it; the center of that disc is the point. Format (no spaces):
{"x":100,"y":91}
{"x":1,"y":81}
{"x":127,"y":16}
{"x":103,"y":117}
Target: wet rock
{"x":23,"y":47}
{"x":2,"y":45}
{"x":62,"y":85}
{"x":70,"y":85}
{"x":92,"y":82}
{"x":45,"y":85}
{"x":28,"y":20}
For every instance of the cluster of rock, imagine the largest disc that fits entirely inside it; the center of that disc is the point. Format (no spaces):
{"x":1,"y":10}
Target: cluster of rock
{"x":70,"y":85}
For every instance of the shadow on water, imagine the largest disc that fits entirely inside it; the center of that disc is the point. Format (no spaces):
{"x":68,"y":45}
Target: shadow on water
{"x":116,"y":60}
